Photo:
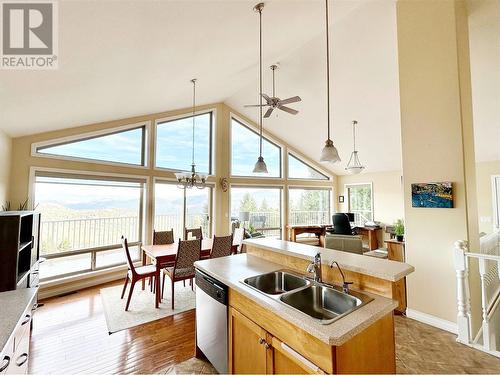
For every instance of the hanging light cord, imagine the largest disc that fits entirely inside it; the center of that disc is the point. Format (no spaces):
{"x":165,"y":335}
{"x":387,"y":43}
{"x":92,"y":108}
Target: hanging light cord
{"x":194,"y":106}
{"x":354,"y":133}
{"x":260,"y":78}
{"x":327,"y":69}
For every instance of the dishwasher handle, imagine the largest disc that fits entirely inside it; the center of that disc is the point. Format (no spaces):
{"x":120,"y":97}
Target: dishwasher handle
{"x":214,"y":288}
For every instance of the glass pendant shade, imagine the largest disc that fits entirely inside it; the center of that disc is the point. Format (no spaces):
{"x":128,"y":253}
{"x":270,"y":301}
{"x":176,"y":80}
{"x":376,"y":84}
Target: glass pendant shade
{"x":329,"y":153}
{"x":260,"y":166}
{"x":354,"y":166}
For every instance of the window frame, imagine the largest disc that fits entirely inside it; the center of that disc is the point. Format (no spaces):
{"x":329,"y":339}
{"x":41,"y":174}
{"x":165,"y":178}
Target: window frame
{"x":67,"y":173}
{"x":212,"y":144}
{"x":346,"y":193}
{"x":331,"y":209}
{"x":146,"y":136}
{"x":283,"y":191}
{"x":305,"y":161}
{"x":173,"y":181}
{"x":267,"y":137}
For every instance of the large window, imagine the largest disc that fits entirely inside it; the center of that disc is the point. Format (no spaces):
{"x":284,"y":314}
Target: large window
{"x":182,"y":208}
{"x":174,"y":143}
{"x":309,"y":206}
{"x":297,"y":169}
{"x":245,"y":151}
{"x":83,"y":219}
{"x":258,"y":209}
{"x":126,"y":146}
{"x":360,"y":202}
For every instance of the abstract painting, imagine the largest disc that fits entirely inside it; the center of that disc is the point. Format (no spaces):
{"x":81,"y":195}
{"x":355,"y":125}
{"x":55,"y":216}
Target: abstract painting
{"x":432,"y":195}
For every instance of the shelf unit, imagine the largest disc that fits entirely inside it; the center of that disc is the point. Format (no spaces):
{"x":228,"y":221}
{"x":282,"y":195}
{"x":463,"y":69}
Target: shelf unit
{"x":19,"y":249}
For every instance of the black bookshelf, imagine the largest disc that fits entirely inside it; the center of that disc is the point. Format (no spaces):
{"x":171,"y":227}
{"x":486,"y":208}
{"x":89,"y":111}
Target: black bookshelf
{"x":19,"y":249}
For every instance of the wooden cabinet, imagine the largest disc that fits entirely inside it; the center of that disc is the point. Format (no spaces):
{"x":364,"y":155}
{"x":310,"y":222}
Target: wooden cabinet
{"x":253,"y":350}
{"x":15,"y":354}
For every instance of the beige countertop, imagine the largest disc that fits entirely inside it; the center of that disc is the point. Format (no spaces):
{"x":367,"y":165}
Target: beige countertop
{"x":13,"y":303}
{"x":371,"y":266}
{"x":233,"y":269}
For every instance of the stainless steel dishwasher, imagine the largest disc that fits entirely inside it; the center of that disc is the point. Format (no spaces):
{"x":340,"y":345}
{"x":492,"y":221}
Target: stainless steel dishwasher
{"x":211,"y":320}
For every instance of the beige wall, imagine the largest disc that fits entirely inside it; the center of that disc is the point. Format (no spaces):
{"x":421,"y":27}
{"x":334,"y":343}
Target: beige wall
{"x":484,"y":171}
{"x":5,"y":152}
{"x":21,"y":153}
{"x":387,"y":193}
{"x":437,"y":145}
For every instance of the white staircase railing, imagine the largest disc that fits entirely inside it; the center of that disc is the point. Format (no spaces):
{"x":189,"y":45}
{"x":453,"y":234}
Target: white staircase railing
{"x":488,"y":259}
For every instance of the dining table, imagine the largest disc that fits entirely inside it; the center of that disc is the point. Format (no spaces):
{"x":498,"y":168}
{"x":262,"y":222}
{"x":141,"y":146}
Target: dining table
{"x":161,"y":255}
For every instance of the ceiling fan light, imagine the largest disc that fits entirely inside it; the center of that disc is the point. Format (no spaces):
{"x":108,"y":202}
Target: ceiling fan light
{"x":354,"y":166}
{"x":330,"y":153}
{"x":260,"y":166}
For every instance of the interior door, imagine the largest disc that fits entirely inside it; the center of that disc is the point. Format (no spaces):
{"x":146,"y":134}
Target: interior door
{"x":247,"y":352}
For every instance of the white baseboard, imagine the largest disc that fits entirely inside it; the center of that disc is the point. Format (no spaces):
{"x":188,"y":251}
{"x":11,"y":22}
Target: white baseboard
{"x":432,"y":320}
{"x":74,"y":283}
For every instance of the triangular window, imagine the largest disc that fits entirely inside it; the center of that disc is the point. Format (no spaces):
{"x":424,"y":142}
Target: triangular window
{"x":301,"y":170}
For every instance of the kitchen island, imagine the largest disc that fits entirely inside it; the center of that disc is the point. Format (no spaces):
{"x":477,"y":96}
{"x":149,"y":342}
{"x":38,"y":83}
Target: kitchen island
{"x":267,"y":336}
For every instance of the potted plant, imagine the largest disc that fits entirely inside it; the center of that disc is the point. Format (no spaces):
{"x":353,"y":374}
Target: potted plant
{"x":399,"y":230}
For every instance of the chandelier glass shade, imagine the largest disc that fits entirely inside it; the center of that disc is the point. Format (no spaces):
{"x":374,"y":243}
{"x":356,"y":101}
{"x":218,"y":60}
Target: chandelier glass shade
{"x":188,"y":180}
{"x":354,"y":166}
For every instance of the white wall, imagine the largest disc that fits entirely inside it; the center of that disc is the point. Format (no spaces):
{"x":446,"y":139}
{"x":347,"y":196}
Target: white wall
{"x":5,"y":152}
{"x":387,"y":194}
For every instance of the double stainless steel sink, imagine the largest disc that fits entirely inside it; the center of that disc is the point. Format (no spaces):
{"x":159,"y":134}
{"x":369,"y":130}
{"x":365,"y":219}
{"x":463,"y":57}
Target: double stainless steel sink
{"x":323,"y":302}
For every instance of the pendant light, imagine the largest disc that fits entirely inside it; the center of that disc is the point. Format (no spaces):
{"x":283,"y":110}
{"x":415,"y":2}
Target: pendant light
{"x":260,"y":165}
{"x":329,"y":152}
{"x":188,"y":180}
{"x":354,"y":166}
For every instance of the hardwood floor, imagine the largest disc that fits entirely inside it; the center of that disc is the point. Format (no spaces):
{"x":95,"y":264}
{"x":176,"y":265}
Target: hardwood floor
{"x":70,"y":337}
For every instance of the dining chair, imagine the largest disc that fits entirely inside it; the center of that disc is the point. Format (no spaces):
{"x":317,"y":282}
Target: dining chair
{"x":188,"y":252}
{"x":134,"y":273}
{"x":238,"y":236}
{"x":197,"y":233}
{"x":221,"y":246}
{"x":163,"y":237}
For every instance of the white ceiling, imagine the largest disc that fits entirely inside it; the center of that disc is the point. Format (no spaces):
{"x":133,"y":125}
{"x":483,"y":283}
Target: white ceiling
{"x":121,"y":59}
{"x":484,"y":32}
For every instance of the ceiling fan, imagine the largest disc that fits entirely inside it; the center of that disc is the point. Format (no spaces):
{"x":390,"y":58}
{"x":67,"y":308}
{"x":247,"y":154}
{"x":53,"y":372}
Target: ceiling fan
{"x":276,"y":103}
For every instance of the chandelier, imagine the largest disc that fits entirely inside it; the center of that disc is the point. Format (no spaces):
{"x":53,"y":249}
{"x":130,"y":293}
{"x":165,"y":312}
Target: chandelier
{"x":354,"y":166}
{"x":188,"y":180}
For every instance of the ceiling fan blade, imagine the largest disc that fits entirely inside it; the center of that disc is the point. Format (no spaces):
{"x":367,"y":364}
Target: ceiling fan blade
{"x":255,"y":105}
{"x":290,"y":100}
{"x":268,"y":112}
{"x":268,"y":99}
{"x":287,"y":109}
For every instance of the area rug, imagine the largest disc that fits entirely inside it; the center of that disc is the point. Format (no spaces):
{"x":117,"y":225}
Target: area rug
{"x":191,"y":366}
{"x":142,"y":309}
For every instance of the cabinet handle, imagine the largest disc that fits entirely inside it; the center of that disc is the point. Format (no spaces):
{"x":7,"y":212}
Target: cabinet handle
{"x":261,"y":341}
{"x":35,"y":306}
{"x":28,"y":317}
{"x":267,"y":346}
{"x":6,"y":362}
{"x":24,"y":357}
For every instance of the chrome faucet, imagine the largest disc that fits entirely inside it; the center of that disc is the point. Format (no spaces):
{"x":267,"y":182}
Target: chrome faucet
{"x":345,"y":284}
{"x":315,"y":268}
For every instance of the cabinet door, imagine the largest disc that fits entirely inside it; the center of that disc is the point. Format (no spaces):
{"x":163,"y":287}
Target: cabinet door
{"x":285,"y":360}
{"x":247,"y":352}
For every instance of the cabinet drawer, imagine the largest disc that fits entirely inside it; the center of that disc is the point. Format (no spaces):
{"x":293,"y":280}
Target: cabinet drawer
{"x":19,"y":362}
{"x":23,"y":331}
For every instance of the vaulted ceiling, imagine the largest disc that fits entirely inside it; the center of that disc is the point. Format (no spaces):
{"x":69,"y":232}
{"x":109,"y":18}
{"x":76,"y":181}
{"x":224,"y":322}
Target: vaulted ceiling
{"x":127,"y":58}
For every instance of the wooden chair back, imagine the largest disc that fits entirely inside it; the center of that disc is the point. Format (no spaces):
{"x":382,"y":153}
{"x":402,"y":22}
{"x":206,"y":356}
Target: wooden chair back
{"x":195,"y":232}
{"x":130,"y":263}
{"x":221,"y":246}
{"x":164,"y":237}
{"x":189,"y":252}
